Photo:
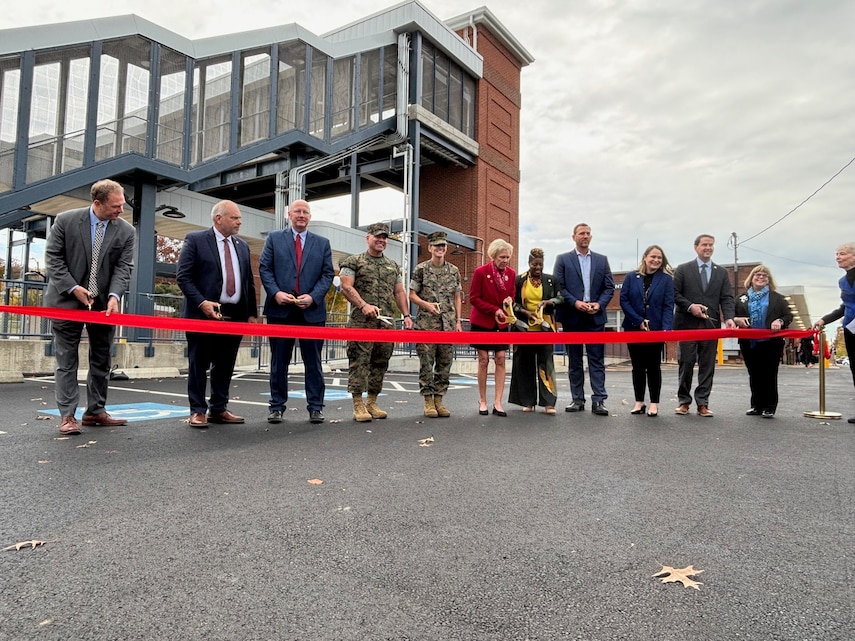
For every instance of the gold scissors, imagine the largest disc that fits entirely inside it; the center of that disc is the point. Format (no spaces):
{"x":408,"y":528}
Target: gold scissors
{"x":387,"y":319}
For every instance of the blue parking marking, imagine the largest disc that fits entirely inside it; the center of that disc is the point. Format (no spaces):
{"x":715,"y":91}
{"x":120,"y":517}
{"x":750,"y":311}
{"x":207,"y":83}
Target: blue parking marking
{"x":136,"y":412}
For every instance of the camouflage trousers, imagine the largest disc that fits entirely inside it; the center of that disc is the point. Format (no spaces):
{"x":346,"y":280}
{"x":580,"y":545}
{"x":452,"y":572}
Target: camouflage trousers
{"x":435,"y":366}
{"x":367,"y":365}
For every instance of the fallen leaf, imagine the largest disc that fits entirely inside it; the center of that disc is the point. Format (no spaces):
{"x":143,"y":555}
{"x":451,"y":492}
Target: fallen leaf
{"x":37,"y":399}
{"x":85,"y":445}
{"x":426,"y":442}
{"x":315,"y":482}
{"x":335,"y":420}
{"x":111,"y":452}
{"x":33,"y":544}
{"x":46,"y":622}
{"x":672,"y":575}
{"x":44,"y":462}
{"x":44,"y":418}
{"x":61,"y":438}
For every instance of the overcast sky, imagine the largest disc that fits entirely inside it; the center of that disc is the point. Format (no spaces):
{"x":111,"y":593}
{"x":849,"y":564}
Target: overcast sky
{"x":652,"y":120}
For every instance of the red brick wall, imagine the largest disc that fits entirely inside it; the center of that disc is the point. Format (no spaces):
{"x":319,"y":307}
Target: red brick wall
{"x":482,"y":201}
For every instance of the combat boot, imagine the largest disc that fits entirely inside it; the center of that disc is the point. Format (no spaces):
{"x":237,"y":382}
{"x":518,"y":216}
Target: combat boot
{"x":441,"y":410}
{"x":430,"y":409}
{"x":373,"y":410}
{"x":360,"y":413}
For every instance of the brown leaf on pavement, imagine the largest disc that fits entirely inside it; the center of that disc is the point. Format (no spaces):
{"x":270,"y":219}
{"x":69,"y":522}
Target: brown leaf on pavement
{"x":33,"y":544}
{"x":315,"y":482}
{"x":673,"y":575}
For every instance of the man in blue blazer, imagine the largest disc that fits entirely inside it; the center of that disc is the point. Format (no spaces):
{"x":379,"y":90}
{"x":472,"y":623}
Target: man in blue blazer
{"x":215,"y":275}
{"x":296,"y":270}
{"x":703,"y":298}
{"x":587,"y":285}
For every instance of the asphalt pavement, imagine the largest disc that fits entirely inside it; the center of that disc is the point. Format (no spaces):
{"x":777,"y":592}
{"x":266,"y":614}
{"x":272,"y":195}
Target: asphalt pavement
{"x":530,"y":527}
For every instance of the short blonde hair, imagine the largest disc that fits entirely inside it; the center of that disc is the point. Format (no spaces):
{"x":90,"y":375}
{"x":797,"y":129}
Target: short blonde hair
{"x":500,"y":244}
{"x":765,"y":270}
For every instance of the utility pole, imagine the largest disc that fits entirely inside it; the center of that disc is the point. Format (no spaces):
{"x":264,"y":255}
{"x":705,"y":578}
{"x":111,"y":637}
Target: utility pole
{"x":735,"y":242}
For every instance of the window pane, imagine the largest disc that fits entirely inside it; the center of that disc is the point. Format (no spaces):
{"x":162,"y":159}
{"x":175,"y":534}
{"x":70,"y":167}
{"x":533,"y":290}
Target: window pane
{"x":428,"y":73}
{"x":390,"y":80}
{"x":342,"y":107}
{"x":318,"y":94}
{"x":170,"y":119}
{"x":255,"y":98}
{"x":10,"y":82}
{"x":369,"y":90}
{"x":290,"y":112}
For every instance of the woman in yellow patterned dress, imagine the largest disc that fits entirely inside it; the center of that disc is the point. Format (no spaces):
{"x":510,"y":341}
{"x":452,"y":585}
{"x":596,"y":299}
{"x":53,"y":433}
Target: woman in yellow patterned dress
{"x":533,"y":375}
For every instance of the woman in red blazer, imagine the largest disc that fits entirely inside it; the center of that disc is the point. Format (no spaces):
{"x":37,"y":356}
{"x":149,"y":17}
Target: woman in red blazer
{"x":491,"y":290}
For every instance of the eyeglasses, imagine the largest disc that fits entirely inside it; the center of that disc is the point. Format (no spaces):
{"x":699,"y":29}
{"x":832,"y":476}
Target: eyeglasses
{"x":761,"y":275}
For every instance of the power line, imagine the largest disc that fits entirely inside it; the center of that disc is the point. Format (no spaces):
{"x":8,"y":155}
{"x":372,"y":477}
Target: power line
{"x":787,"y":258}
{"x":801,"y":203}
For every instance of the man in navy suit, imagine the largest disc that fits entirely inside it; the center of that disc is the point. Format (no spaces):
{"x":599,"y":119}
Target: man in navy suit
{"x":587,"y":285}
{"x":215,"y":275}
{"x":703,"y":297}
{"x":296,"y":270}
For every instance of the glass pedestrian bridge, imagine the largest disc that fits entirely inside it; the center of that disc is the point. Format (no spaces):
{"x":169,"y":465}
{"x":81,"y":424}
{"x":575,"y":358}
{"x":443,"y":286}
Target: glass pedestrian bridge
{"x":125,"y":98}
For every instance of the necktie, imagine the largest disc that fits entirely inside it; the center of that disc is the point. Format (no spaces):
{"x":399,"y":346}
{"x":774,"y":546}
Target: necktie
{"x":96,"y":252}
{"x":705,"y":279}
{"x":298,"y":250}
{"x":230,"y":270}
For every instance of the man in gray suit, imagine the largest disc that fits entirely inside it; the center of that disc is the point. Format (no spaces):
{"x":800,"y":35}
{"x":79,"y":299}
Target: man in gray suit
{"x":89,"y":257}
{"x":703,"y":297}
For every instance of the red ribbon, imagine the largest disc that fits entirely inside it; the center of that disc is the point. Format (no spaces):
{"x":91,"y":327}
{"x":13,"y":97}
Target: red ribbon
{"x":395,"y":335}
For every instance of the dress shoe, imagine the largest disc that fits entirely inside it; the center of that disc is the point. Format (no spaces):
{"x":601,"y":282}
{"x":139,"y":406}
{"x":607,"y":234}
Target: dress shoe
{"x":198,"y":420}
{"x":275,"y":416}
{"x":69,"y":426}
{"x":682,"y":409}
{"x":499,"y":412}
{"x":316,"y":416}
{"x":103,"y":419}
{"x":575,"y":406}
{"x":704,"y":411}
{"x":851,"y":420}
{"x":753,"y":412}
{"x":599,"y":409}
{"x":224,"y":417}
{"x":653,"y":414}
{"x":768,"y":414}
{"x":640,"y":410}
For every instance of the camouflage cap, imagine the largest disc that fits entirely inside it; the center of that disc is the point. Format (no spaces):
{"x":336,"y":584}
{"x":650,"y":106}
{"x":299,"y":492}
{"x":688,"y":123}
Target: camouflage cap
{"x":437,"y":238}
{"x":378,"y":229}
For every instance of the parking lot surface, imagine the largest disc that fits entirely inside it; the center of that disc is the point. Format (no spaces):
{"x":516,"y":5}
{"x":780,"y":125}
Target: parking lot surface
{"x":530,"y":527}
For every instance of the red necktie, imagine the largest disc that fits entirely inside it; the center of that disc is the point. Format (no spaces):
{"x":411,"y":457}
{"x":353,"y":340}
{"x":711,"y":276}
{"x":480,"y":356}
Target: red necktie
{"x":298,"y":249}
{"x":230,"y":270}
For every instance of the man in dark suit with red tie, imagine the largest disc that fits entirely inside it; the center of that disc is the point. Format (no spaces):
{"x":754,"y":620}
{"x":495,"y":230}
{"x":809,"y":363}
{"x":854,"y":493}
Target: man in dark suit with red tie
{"x":296,"y":270}
{"x":215,"y":275}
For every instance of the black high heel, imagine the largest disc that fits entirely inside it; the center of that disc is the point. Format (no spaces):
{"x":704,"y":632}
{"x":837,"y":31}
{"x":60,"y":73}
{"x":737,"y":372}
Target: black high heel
{"x":499,"y":412}
{"x":483,"y":412}
{"x":640,"y":410}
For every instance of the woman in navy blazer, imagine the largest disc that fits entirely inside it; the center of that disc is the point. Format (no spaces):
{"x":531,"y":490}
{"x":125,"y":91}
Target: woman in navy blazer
{"x":647,"y":301}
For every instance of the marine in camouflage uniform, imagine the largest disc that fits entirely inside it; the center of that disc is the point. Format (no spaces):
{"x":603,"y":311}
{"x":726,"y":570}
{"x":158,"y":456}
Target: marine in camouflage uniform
{"x":436,"y":291}
{"x":373,"y":285}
